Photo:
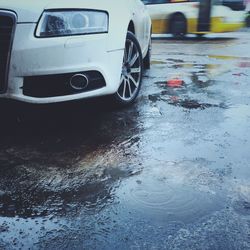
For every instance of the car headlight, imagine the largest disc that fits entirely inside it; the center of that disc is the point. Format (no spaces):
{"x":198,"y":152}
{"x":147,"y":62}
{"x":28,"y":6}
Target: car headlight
{"x":55,"y":23}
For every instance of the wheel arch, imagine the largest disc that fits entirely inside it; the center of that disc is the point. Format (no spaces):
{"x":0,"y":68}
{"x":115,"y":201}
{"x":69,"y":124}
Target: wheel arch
{"x":131,"y":27}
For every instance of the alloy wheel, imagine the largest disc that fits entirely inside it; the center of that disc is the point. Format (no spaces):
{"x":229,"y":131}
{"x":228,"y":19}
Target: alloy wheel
{"x":131,"y":71}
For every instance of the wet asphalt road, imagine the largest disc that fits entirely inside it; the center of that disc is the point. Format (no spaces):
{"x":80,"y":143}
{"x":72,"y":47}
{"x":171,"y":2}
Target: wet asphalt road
{"x":170,"y":172}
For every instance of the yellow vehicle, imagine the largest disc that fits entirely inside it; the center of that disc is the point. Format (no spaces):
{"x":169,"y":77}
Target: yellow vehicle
{"x":179,"y":17}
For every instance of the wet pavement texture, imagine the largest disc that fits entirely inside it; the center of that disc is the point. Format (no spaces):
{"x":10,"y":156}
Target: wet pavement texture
{"x":170,"y":172}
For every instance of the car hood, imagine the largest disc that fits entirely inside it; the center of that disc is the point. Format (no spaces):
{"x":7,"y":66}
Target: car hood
{"x":31,"y":10}
{"x":26,"y":10}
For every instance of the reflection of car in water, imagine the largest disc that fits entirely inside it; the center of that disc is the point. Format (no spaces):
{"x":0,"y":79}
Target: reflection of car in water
{"x":60,"y":50}
{"x":180,"y":17}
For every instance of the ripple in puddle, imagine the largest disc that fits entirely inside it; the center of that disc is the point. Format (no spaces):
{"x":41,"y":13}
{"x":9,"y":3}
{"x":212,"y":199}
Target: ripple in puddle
{"x":157,"y":197}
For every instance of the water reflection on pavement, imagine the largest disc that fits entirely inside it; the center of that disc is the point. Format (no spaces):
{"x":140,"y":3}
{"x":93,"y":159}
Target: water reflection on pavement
{"x":170,"y":172}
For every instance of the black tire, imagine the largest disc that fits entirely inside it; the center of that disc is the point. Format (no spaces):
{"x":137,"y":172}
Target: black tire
{"x":178,"y":26}
{"x":147,"y":59}
{"x":131,"y":75}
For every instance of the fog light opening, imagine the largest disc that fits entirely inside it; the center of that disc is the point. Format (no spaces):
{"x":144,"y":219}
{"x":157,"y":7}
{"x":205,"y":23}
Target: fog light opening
{"x":79,"y":82}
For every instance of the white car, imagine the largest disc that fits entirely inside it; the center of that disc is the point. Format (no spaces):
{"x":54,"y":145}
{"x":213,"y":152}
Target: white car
{"x":60,"y":50}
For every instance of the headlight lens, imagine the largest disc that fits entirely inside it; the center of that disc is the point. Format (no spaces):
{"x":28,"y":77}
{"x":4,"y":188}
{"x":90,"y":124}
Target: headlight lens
{"x":74,"y":22}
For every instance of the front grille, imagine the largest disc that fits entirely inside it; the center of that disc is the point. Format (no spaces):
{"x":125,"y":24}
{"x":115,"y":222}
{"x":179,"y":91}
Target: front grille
{"x":7,"y":27}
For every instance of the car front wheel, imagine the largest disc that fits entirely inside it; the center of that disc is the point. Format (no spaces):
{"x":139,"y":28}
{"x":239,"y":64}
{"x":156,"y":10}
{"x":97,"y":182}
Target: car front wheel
{"x":131,"y":75}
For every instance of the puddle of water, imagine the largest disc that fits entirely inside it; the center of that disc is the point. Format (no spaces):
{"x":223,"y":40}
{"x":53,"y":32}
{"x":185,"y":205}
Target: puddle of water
{"x":194,"y":89}
{"x":164,"y":194}
{"x":193,"y":104}
{"x":175,"y":98}
{"x":175,"y":83}
{"x":25,"y":233}
{"x":37,"y":189}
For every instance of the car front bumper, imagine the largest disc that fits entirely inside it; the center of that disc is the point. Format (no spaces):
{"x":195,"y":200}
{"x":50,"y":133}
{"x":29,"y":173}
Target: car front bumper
{"x":34,"y":57}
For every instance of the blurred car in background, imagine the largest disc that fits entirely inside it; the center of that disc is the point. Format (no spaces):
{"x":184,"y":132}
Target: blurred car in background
{"x":179,"y":17}
{"x":239,"y":5}
{"x":59,"y":50}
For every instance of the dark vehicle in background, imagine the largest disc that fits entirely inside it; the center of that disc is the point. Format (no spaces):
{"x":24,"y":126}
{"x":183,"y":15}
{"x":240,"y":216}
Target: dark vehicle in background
{"x":234,"y":4}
